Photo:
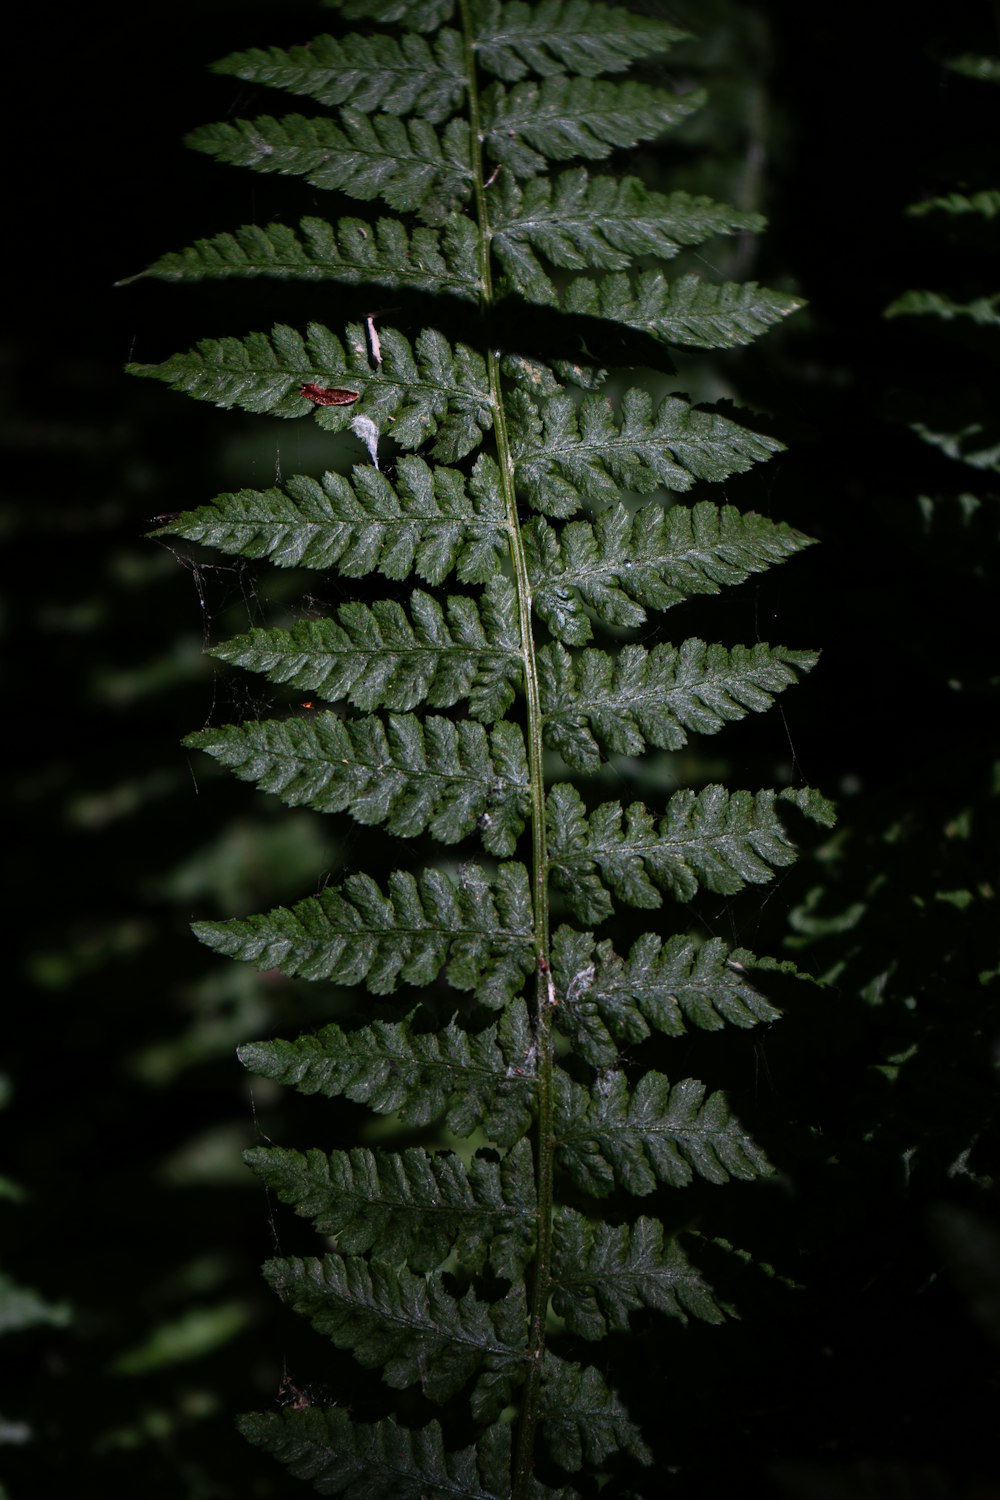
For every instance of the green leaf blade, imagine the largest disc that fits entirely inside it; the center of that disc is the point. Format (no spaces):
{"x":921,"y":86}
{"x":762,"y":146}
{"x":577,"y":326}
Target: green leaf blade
{"x":383,"y":1460}
{"x":560,"y":118}
{"x":475,"y":932}
{"x":689,"y":312}
{"x":412,"y":166}
{"x":982,"y":311}
{"x":596,"y":704}
{"x":579,"y":222}
{"x":440,"y":260}
{"x":609,"y":1003}
{"x":470,"y":1081}
{"x":657,"y":1133}
{"x":571,"y":36}
{"x":429,"y":522}
{"x":380,"y":1461}
{"x":565,"y":452}
{"x":622,"y":566}
{"x":412,"y":15}
{"x":413,"y":1207}
{"x":419,"y":391}
{"x":605,"y":1272}
{"x":384,"y":656}
{"x":413,"y":776}
{"x":379,"y":72}
{"x":584,"y":1421}
{"x":714,"y":840}
{"x":407,"y":1325}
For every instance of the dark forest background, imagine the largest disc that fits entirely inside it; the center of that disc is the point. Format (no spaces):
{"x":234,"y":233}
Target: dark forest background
{"x":134,"y":1323}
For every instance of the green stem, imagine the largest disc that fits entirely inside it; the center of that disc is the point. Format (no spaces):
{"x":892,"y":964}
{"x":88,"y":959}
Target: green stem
{"x":521,"y":1478}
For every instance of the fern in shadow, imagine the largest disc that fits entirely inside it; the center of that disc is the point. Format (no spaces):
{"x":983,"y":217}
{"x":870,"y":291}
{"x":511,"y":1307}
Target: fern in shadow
{"x":513,"y":503}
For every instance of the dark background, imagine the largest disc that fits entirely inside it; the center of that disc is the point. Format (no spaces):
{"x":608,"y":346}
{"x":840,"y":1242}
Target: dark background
{"x":876,"y":1373}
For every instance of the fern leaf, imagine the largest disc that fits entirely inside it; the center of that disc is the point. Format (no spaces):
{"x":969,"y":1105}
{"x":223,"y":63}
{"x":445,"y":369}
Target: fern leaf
{"x":984,"y":311}
{"x":432,"y":521}
{"x":380,"y":1461}
{"x":599,"y":703}
{"x":973,"y":444}
{"x":412,"y":166}
{"x":423,"y":1243}
{"x":976,"y":65}
{"x":687,"y":311}
{"x":413,"y":15}
{"x":584,"y":1421}
{"x":413,"y":1207}
{"x":713,"y":839}
{"x":984,"y":204}
{"x":470,"y":1082}
{"x":570,"y":36}
{"x":366,"y":72}
{"x":608,"y":1003}
{"x":561,"y":117}
{"x":439,"y":776}
{"x":410,"y":1326}
{"x":350,"y":251}
{"x":623,"y":564}
{"x":474,"y":930}
{"x":604,"y":1272}
{"x":22,"y":1307}
{"x":658,"y":1133}
{"x":383,"y":656}
{"x":566,"y":451}
{"x":578,"y":222}
{"x":812,"y":805}
{"x":418,"y":390}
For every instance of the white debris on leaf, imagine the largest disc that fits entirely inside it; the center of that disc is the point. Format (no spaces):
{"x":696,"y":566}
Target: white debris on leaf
{"x":365,"y":429}
{"x":374,"y":340}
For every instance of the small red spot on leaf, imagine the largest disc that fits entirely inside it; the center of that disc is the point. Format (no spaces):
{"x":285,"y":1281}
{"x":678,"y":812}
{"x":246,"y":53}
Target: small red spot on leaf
{"x":328,"y":395}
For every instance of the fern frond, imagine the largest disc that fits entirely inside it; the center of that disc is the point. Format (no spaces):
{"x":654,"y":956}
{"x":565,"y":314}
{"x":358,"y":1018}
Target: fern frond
{"x":440,"y":776}
{"x":413,"y":1207}
{"x":571,"y":36}
{"x":423,"y":1243}
{"x":430,"y":522}
{"x":469,"y":1081}
{"x":609,"y":1003}
{"x":366,"y":72}
{"x":580,"y":222}
{"x":584,"y":1421}
{"x":561,"y":117}
{"x":350,"y":251}
{"x":974,"y":443}
{"x":596,"y":704}
{"x":419,"y":390}
{"x":410,"y":1326}
{"x":976,"y":65}
{"x":687,"y":311}
{"x":812,"y":805}
{"x":713,"y":839}
{"x":984,"y":311}
{"x":604,"y":1272}
{"x":984,"y":204}
{"x":412,"y":166}
{"x":413,"y":15}
{"x":474,"y":930}
{"x":623,"y":564}
{"x":566,"y":451}
{"x":609,"y":1137}
{"x":380,"y":1461}
{"x":384,"y":656}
